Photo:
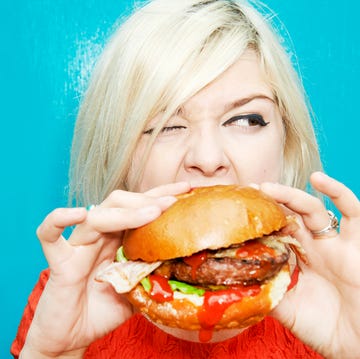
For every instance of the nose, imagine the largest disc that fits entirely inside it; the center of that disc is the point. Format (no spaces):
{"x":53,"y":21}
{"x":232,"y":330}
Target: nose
{"x":205,"y":156}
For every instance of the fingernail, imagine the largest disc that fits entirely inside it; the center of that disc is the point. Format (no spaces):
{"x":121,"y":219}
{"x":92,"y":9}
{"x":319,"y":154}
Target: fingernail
{"x":184,"y":184}
{"x":324,"y":175}
{"x":167,"y":200}
{"x":90,"y":207}
{"x":150,"y":212}
{"x":76,"y":211}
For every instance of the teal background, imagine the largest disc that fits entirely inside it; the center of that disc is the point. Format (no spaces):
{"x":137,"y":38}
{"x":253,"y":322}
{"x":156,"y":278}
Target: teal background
{"x":46,"y":48}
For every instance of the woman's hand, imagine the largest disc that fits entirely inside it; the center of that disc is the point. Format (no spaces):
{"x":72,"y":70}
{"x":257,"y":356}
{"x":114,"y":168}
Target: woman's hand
{"x":323,"y":309}
{"x":75,"y":309}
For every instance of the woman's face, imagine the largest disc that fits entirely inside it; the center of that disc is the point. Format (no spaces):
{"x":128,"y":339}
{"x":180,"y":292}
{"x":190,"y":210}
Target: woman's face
{"x":230,"y":132}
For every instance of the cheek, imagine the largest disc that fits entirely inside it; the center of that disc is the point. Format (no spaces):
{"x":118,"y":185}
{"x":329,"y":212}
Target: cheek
{"x":259,"y":160}
{"x":269,"y":168}
{"x":160,"y":168}
{"x":258,"y":169}
{"x":270,"y":160}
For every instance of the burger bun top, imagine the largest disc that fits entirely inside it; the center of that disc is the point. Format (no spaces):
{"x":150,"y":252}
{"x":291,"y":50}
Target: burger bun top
{"x":205,"y":218}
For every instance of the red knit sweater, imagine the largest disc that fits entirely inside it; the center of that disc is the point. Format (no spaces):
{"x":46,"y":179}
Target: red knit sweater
{"x":139,"y":339}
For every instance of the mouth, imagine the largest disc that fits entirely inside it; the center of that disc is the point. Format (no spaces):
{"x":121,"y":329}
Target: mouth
{"x":210,"y":182}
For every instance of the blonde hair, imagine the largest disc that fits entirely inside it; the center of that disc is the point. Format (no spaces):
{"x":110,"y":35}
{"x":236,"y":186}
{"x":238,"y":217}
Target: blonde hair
{"x":161,"y":56}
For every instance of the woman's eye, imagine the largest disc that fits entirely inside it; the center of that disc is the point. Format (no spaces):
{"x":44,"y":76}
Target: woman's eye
{"x":249,"y":120}
{"x":164,"y":130}
{"x":167,"y":129}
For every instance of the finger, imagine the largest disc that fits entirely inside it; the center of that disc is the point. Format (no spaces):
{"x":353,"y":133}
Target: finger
{"x":312,"y":209}
{"x":50,"y":232}
{"x":123,"y":210}
{"x":54,"y":224}
{"x":343,"y":198}
{"x":120,"y":198}
{"x":170,"y":189}
{"x":111,"y":220}
{"x":107,"y":220}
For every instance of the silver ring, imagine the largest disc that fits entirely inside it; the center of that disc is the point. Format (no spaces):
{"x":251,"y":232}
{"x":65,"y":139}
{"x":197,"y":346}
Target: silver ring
{"x":333,"y":225}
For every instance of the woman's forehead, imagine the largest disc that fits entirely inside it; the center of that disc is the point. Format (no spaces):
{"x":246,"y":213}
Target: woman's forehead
{"x":238,"y":85}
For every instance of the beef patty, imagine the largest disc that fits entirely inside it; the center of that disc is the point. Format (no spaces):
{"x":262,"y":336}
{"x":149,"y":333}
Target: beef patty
{"x":246,"y":264}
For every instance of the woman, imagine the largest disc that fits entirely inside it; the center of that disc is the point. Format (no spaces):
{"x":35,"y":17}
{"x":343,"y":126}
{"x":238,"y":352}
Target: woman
{"x":192,"y":93}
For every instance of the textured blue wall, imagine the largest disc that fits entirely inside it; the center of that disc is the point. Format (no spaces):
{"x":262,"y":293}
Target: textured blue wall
{"x":45,"y":52}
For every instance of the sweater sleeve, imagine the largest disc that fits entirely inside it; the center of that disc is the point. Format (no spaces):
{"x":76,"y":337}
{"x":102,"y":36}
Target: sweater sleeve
{"x":28,"y":314}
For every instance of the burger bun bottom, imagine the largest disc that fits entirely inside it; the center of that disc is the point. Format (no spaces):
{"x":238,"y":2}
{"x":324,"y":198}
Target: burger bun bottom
{"x":179,"y":317}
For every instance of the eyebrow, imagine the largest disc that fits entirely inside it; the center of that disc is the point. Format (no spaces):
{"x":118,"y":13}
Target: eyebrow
{"x":237,"y":103}
{"x":245,"y":100}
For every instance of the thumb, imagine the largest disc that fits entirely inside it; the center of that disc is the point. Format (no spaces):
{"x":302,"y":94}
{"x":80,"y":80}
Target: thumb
{"x":50,"y":231}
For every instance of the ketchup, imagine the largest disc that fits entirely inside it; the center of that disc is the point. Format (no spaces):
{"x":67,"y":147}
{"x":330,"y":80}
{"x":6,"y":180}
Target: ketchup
{"x":195,"y":261}
{"x":215,"y":304}
{"x":160,"y":289}
{"x":294,"y":278}
{"x":253,"y":249}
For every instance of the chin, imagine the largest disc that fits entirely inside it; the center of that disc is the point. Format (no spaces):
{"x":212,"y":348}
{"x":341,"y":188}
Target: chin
{"x":193,"y":336}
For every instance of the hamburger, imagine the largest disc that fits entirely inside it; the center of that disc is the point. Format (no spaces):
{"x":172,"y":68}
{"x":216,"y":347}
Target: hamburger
{"x":218,"y":258}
